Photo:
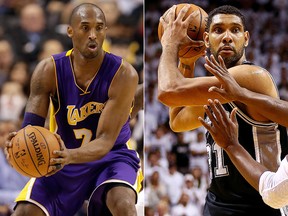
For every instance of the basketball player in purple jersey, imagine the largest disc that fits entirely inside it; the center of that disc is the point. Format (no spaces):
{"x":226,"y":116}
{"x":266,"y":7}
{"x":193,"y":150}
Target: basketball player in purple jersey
{"x":90,"y":93}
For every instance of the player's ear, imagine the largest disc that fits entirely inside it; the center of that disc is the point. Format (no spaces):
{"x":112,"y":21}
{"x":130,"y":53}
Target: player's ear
{"x":69,"y":31}
{"x":247,"y":38}
{"x":206,"y":39}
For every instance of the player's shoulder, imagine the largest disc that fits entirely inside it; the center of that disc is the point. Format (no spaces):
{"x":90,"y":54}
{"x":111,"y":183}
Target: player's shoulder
{"x":251,"y":71}
{"x":45,"y":66}
{"x":127,"y":69}
{"x":250,"y":68}
{"x":49,"y":62}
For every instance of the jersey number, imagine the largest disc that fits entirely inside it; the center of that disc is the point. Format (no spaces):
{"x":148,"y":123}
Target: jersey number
{"x":220,"y":168}
{"x":84,"y":134}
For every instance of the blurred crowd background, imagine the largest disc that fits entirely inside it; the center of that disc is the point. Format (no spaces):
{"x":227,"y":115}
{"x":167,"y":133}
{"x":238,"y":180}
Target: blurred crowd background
{"x":176,"y":170}
{"x":31,"y":30}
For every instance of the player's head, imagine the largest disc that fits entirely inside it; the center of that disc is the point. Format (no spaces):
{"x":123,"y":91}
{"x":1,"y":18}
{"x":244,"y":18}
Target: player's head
{"x":87,"y":29}
{"x":226,"y":34}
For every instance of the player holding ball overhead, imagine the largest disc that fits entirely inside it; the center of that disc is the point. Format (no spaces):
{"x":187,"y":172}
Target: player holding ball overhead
{"x":195,"y":29}
{"x":90,"y":93}
{"x":226,"y":36}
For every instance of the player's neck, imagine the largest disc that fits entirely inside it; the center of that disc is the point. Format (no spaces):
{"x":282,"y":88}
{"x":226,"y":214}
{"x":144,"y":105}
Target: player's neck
{"x":80,"y":63}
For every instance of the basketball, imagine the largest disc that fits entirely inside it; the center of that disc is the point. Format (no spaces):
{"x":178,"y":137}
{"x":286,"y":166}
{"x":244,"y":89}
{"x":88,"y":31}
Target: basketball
{"x":31,"y":150}
{"x":195,"y":30}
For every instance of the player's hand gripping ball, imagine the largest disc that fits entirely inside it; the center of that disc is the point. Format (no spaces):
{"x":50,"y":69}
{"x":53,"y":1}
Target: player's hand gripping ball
{"x":31,"y":151}
{"x":195,"y":30}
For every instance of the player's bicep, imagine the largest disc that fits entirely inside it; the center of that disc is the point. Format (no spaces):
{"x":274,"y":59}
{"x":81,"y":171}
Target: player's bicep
{"x":41,"y":88}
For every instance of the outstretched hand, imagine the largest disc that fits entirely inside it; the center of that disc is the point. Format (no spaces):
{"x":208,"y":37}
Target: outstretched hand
{"x":175,"y":28}
{"x":230,"y":89}
{"x":223,"y":129}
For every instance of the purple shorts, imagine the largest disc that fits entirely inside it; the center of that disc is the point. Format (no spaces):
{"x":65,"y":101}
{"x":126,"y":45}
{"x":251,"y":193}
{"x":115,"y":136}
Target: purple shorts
{"x":65,"y":192}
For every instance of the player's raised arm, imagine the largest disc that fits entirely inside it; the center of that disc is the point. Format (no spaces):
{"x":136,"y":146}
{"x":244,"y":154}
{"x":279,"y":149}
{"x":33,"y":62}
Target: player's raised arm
{"x":272,"y":107}
{"x":170,"y":79}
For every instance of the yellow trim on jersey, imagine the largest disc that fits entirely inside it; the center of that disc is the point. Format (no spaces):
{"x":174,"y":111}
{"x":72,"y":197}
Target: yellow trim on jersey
{"x":52,"y":120}
{"x":53,"y":112}
{"x":68,"y":53}
{"x":140,"y":177}
{"x":106,"y":46}
{"x":26,"y":191}
{"x":56,"y":83}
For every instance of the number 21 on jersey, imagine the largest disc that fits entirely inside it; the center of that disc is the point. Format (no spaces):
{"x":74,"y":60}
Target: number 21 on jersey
{"x":217,"y":167}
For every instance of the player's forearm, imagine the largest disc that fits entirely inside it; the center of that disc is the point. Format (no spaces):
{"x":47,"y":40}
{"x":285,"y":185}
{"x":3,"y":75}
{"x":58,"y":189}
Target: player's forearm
{"x":167,"y":70}
{"x":275,"y":109}
{"x":172,"y":85}
{"x":246,"y":165}
{"x":94,"y":150}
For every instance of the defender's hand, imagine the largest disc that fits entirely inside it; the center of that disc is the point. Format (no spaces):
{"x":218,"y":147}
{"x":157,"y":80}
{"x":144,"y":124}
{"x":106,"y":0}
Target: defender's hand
{"x":230,"y":89}
{"x":224,"y":129}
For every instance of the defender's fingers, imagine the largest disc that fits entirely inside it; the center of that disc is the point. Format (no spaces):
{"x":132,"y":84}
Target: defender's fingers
{"x":217,"y":90}
{"x":213,"y":60}
{"x":206,"y":125}
{"x":221,"y":109}
{"x":210,"y":115}
{"x":217,"y":113}
{"x":212,"y":68}
{"x":222,"y":64}
{"x":218,"y":66}
{"x":233,"y":116}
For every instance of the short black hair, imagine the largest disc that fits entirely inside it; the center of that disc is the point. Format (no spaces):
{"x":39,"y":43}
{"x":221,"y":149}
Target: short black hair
{"x":76,"y":9}
{"x":225,"y":9}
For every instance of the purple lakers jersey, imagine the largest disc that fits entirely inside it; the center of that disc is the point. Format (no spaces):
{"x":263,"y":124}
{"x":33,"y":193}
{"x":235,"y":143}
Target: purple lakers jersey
{"x":75,"y":112}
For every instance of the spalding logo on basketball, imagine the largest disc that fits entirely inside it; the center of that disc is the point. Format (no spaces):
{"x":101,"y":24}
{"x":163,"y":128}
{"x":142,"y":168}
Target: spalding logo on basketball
{"x":32,"y":149}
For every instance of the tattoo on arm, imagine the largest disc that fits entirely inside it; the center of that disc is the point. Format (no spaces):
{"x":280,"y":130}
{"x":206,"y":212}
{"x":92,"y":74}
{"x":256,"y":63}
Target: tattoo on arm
{"x":185,"y":66}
